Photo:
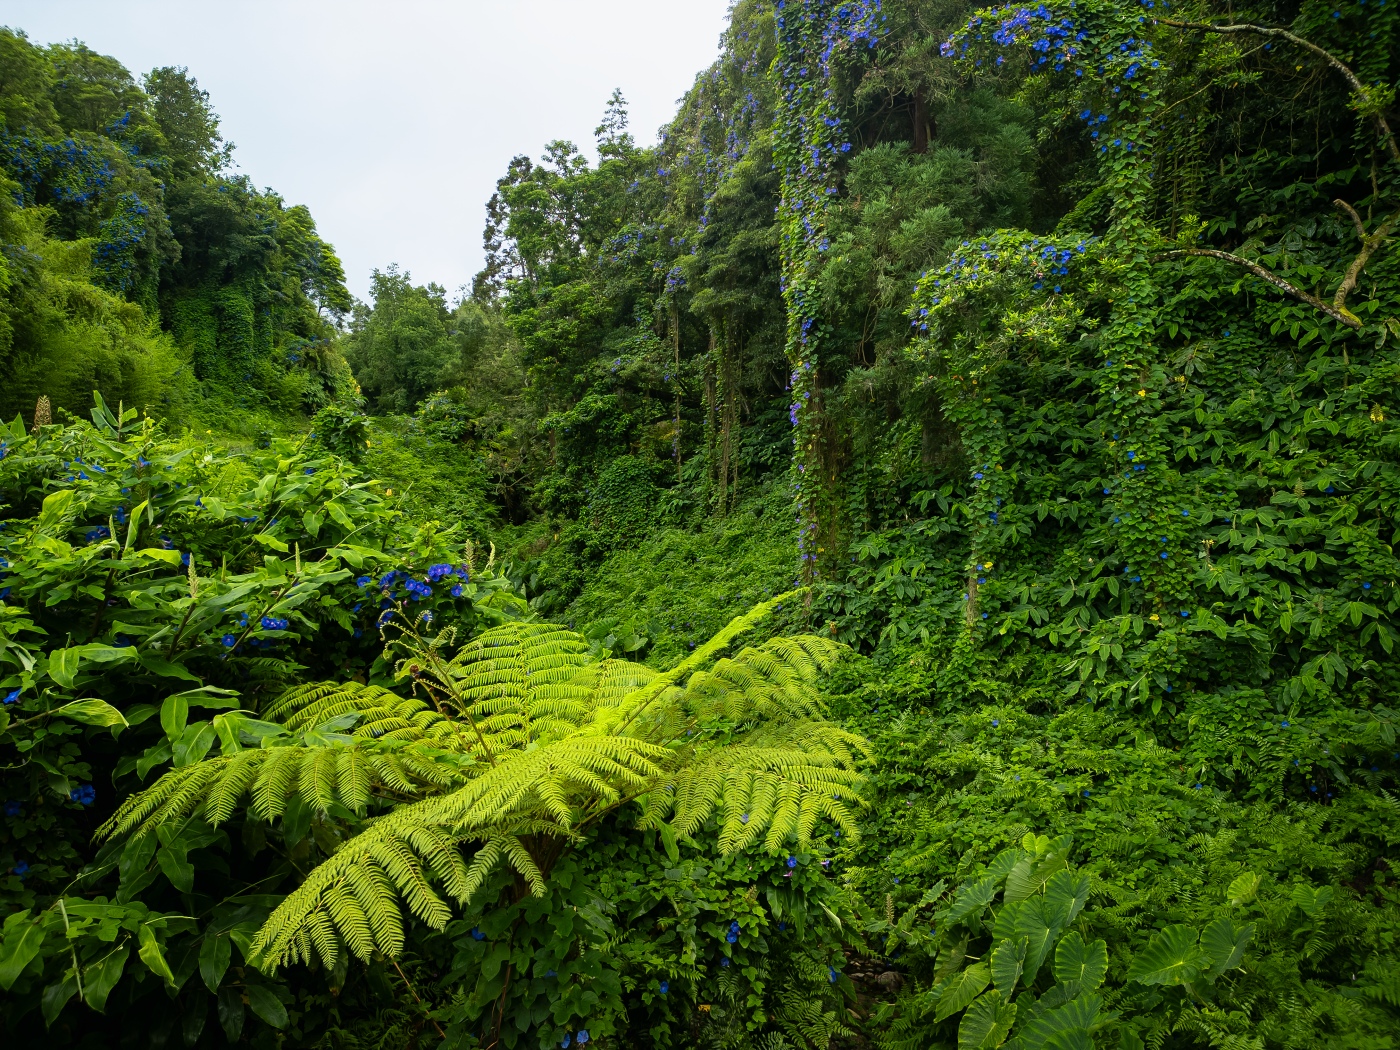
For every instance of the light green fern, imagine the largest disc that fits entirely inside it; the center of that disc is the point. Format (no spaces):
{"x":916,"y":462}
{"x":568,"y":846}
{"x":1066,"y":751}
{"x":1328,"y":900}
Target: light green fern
{"x":508,"y":751}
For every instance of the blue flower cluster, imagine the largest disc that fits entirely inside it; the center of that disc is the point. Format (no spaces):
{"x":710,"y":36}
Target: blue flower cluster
{"x":84,"y":795}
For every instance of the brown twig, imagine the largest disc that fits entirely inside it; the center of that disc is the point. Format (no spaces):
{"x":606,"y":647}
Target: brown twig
{"x":407,"y":984}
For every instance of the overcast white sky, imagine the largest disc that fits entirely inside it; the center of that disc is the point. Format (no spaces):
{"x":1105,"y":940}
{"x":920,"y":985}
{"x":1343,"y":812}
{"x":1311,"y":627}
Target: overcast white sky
{"x":393,"y":120}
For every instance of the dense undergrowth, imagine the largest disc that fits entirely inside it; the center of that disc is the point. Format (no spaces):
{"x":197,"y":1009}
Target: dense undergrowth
{"x":1023,"y":380}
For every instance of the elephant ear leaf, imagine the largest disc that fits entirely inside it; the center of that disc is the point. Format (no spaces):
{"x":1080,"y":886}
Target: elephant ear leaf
{"x":1065,"y":1028}
{"x":973,"y":898}
{"x":1224,"y":943}
{"x":1008,"y":962}
{"x":961,"y":989}
{"x":1065,"y":896}
{"x":1083,"y":964}
{"x":1171,"y":957}
{"x":987,"y":1023}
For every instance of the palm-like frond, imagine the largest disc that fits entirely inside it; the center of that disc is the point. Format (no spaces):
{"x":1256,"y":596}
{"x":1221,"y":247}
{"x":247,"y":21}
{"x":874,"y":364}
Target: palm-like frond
{"x":519,"y":739}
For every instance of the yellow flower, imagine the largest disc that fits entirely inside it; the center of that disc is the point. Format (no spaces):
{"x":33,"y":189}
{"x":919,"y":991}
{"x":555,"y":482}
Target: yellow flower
{"x":1142,"y":393}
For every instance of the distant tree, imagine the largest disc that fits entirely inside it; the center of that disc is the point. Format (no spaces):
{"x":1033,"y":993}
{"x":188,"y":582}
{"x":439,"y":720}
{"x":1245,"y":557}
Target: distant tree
{"x":402,"y":348}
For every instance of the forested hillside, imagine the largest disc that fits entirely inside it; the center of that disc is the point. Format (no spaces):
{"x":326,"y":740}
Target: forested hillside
{"x":137,"y":261}
{"x":906,"y":560}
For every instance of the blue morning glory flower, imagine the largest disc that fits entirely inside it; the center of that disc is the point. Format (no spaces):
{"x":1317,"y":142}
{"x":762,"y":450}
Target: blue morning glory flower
{"x":665,"y":988}
{"x":11,"y":697}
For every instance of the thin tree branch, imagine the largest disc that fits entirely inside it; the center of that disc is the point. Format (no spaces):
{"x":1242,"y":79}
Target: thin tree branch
{"x":1341,"y":316}
{"x":1355,"y":218}
{"x":1362,"y":93}
{"x":1370,"y":244}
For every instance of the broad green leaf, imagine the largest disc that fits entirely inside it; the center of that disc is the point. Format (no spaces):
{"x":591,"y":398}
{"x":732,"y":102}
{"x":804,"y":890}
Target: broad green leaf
{"x":972,"y":898}
{"x":1083,"y":963}
{"x":174,"y":715}
{"x":160,"y":554}
{"x":1005,"y":924}
{"x":1312,"y":899}
{"x":231,"y":1013}
{"x":1224,"y":943}
{"x":56,"y":996}
{"x":134,"y":525}
{"x":177,"y":869}
{"x":1066,"y":894}
{"x":987,"y":1023}
{"x":102,"y":976}
{"x":272,"y":542}
{"x":1064,"y":1028}
{"x":1027,"y":878}
{"x":91,"y":712}
{"x":194,"y":743}
{"x":163,"y":667}
{"x":55,"y":506}
{"x":63,"y":666}
{"x":960,"y":989}
{"x":1243,"y":889}
{"x":1008,"y":962}
{"x":21,"y":944}
{"x":1171,"y":957}
{"x":151,"y":954}
{"x":214,"y":956}
{"x":1040,"y":936}
{"x":267,"y":1006}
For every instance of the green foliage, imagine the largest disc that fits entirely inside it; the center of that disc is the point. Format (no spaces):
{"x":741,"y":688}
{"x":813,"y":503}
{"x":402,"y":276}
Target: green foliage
{"x":155,"y":593}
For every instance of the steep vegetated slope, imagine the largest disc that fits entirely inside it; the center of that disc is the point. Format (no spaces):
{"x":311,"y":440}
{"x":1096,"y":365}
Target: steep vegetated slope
{"x":1048,"y":350}
{"x":138,"y":263}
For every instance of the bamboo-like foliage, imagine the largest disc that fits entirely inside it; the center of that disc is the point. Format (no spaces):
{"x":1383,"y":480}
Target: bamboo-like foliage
{"x":510,"y":749}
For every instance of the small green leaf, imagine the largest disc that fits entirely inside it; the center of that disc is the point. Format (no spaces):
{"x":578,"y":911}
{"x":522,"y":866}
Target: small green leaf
{"x":151,"y":954}
{"x":669,"y":843}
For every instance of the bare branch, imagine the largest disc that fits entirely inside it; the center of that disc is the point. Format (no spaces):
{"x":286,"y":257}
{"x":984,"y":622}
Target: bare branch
{"x":1355,"y":218}
{"x":1369,"y":245}
{"x":1339,"y":314}
{"x":1387,"y":136}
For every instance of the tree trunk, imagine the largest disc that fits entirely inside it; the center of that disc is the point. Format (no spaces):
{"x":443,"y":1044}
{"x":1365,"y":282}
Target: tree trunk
{"x":710,"y":450}
{"x":921,"y":123}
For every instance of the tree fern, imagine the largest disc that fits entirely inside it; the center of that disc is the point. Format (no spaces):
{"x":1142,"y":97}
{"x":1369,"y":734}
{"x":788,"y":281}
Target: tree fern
{"x":514,"y":745}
